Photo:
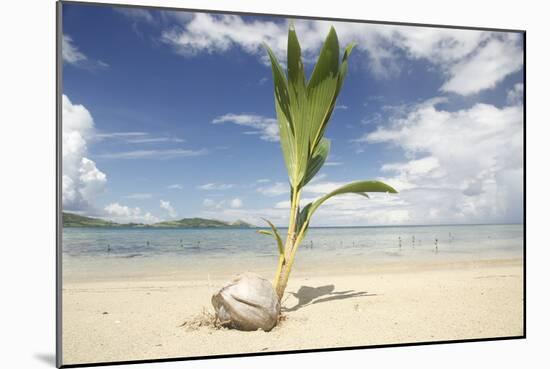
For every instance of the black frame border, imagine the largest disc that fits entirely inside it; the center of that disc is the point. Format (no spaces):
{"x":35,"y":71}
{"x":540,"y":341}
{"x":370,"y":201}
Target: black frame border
{"x":58,"y":158}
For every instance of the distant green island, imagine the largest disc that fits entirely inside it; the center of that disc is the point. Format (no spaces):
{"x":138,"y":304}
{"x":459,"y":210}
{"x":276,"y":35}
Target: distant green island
{"x":71,"y":220}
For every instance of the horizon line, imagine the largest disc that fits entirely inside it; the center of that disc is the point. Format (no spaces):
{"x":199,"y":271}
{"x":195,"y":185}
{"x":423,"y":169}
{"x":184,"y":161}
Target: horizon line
{"x":323,"y":226}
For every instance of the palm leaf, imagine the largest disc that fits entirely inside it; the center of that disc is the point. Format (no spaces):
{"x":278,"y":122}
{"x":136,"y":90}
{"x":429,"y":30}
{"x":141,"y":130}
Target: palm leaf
{"x":288,"y":145}
{"x":284,"y":117}
{"x":344,"y":66}
{"x":322,"y":88}
{"x":359,"y":187}
{"x":342,"y":72}
{"x":298,"y":104}
{"x":295,"y":67}
{"x":275,"y":233}
{"x":317,"y":160}
{"x":303,"y":220}
{"x":303,"y":111}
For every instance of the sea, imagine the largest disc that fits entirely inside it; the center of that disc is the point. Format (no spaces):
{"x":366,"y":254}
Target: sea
{"x":84,"y":248}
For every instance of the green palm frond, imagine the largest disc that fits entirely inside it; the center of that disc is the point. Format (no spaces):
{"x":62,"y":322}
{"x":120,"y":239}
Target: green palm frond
{"x":317,"y":160}
{"x":304,"y":110}
{"x":359,"y":188}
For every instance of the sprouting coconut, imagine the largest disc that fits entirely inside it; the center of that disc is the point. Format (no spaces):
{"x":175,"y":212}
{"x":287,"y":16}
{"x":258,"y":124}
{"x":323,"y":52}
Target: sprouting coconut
{"x":303,"y":112}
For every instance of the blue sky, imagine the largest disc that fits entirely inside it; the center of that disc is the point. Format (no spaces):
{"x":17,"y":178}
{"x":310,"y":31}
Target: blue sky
{"x":170,"y":114}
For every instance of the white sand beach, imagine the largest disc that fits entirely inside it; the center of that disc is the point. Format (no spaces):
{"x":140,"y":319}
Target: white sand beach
{"x":345,"y":303}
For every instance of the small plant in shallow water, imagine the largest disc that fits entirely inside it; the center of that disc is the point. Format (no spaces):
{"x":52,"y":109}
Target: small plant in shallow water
{"x":303,"y":111}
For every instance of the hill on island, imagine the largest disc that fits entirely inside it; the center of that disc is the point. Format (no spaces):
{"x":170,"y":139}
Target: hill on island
{"x":71,"y":220}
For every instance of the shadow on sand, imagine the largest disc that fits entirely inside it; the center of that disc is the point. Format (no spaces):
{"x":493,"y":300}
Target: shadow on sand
{"x":313,"y":295}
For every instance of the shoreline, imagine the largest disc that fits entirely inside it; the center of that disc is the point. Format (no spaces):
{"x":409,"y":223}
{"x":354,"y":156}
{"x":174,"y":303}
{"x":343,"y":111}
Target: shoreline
{"x":399,"y":302}
{"x":307,"y":263}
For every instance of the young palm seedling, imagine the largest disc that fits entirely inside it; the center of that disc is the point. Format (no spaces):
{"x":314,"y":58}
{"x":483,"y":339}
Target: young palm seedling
{"x":303,"y":111}
{"x":250,"y":302}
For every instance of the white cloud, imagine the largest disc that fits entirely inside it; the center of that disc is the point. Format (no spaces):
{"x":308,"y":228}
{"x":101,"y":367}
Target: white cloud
{"x":215,"y":186}
{"x":72,"y":55}
{"x":82,"y":181}
{"x":463,"y":166}
{"x":136,"y":14}
{"x":124,"y":214}
{"x":155,"y":18}
{"x":263,"y":180}
{"x":209,"y":203}
{"x":165,"y":205}
{"x":155,"y":140}
{"x":321,"y":188}
{"x":267,"y":128}
{"x":221,"y":204}
{"x":218,"y":34}
{"x":341,"y":107}
{"x":486,"y":67}
{"x":353,"y":210}
{"x":347,"y":210}
{"x":236,"y":203}
{"x":318,"y":178}
{"x":341,"y":210}
{"x":213,"y":33}
{"x":515,"y":95}
{"x":136,"y":137}
{"x":154,"y":154}
{"x":275,"y":189}
{"x":413,"y":170}
{"x":460,"y":55}
{"x":252,"y":216}
{"x":285,"y":204}
{"x":70,"y":52}
{"x":356,"y":210}
{"x":139,"y":196}
{"x":316,"y":187}
{"x":350,"y":209}
{"x":442,"y":180}
{"x":119,"y":135}
{"x":175,"y":186}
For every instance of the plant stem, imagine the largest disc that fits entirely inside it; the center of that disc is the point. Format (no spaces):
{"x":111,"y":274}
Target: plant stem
{"x":287,"y":259}
{"x":291,"y":235}
{"x":283,"y":272}
{"x":279,"y":269}
{"x":282,"y":279}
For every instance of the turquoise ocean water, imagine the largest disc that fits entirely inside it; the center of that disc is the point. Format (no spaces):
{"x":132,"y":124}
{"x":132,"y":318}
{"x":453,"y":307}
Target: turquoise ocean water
{"x":378,"y":242}
{"x":111,"y":254}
